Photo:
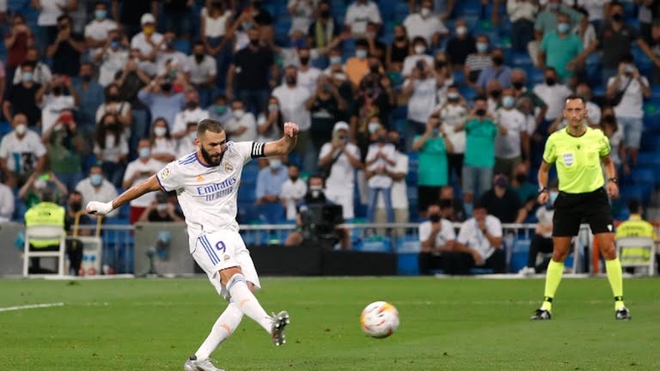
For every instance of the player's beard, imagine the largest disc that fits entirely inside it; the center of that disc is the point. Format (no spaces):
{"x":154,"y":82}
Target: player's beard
{"x":211,"y":160}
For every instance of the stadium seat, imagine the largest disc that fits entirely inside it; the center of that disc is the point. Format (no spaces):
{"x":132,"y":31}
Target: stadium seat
{"x":182,"y":45}
{"x":519,"y":254}
{"x":5,"y":127}
{"x":648,"y":159}
{"x":408,"y":264}
{"x":408,"y":244}
{"x":377,"y":244}
{"x":643,"y":176}
{"x":270,"y":213}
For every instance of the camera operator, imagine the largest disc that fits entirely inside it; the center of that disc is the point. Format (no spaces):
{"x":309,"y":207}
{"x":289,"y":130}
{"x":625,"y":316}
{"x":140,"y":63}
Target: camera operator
{"x":306,"y":230}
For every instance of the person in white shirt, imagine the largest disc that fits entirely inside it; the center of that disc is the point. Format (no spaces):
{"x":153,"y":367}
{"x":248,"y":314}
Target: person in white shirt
{"x":163,"y":146}
{"x":41,"y":73}
{"x":49,"y":11}
{"x":425,"y":24}
{"x":112,"y":55}
{"x":302,"y":14}
{"x":358,"y":14}
{"x":522,"y":14}
{"x":206,"y":184}
{"x":437,"y":237}
{"x":338,"y":160}
{"x":512,"y":145}
{"x":140,"y":171}
{"x":168,"y":57}
{"x":552,"y":93}
{"x":148,"y":41}
{"x":293,"y":190}
{"x":192,"y":113}
{"x":243,"y":126}
{"x":56,"y":100}
{"x":629,"y":111}
{"x":111,"y":148}
{"x":270,"y":122}
{"x":187,"y":144}
{"x":379,"y":162}
{"x":97,"y":188}
{"x":114,"y":105}
{"x":203,"y":72}
{"x":307,"y":74}
{"x":399,"y":191}
{"x":420,"y":89}
{"x":479,"y":243}
{"x":96,"y":32}
{"x":7,"y":203}
{"x":594,"y":112}
{"x":21,"y":152}
{"x":410,"y":63}
{"x":453,"y":114}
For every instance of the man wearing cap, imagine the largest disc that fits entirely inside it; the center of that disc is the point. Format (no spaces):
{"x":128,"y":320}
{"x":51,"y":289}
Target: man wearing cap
{"x":148,"y":41}
{"x":503,"y":203}
{"x":338,"y":160}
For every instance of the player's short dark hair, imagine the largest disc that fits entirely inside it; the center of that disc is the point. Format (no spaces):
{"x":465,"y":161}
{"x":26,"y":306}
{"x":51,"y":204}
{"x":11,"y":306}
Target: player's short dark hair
{"x":634,"y":206}
{"x":575,"y":96}
{"x":209,"y":125}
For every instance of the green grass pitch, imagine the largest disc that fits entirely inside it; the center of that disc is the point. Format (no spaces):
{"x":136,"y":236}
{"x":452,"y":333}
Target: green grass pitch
{"x":446,"y":324}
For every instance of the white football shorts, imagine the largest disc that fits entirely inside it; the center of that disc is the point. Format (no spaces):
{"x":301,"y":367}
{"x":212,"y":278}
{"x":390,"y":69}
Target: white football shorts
{"x":221,"y":250}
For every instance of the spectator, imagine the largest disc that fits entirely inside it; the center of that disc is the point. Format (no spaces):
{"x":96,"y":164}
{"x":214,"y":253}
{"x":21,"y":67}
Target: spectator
{"x":112,"y":56}
{"x":526,"y":190}
{"x":451,"y":207}
{"x":593,"y":118}
{"x":376,"y":48}
{"x":177,"y":16}
{"x":546,"y":22}
{"x":64,"y":144}
{"x":338,"y":78}
{"x":452,"y":114}
{"x":380,"y":161}
{"x":419,"y":53}
{"x":75,"y":217}
{"x":220,"y":110}
{"x":21,"y":98}
{"x":372,"y":106}
{"x":302,"y":12}
{"x":161,"y":210}
{"x":7,"y":202}
{"x":496,"y":71}
{"x":477,"y":61}
{"x":437,"y":236}
{"x":17,"y":42}
{"x":425,"y":24}
{"x":358,"y":66}
{"x":324,"y":105}
{"x":433,"y":147}
{"x":21,"y":152}
{"x":307,"y":75}
{"x":131,"y":79}
{"x":137,"y":172}
{"x":397,"y":173}
{"x":41,"y":74}
{"x":215,"y":25}
{"x":168,"y":54}
{"x":338,"y":161}
{"x":629,"y":111}
{"x":97,"y":188}
{"x":90,"y":93}
{"x":481,"y":129}
{"x":261,"y":18}
{"x":192,"y":113}
{"x":270,"y":122}
{"x":187,"y":144}
{"x":512,"y":147}
{"x":324,"y":29}
{"x":129,"y":15}
{"x":243,"y":126}
{"x":444,"y":76}
{"x":269,"y":182}
{"x":420,"y":90}
{"x":479,"y":243}
{"x":398,"y":50}
{"x":250,"y":69}
{"x":358,"y":14}
{"x":461,"y":45}
{"x":586,"y":31}
{"x":559,"y":50}
{"x":39,"y":182}
{"x":53,"y":99}
{"x":293,"y":191}
{"x":617,"y":144}
{"x":161,"y":100}
{"x":292,"y":98}
{"x":97,"y":31}
{"x":203,"y":73}
{"x":655,"y":40}
{"x":163,"y":147}
{"x":111,"y":148}
{"x":542,"y":240}
{"x":522,"y":14}
{"x":66,"y":49}
{"x":147,"y":42}
{"x":553,"y":94}
{"x":502,"y":202}
{"x":114,"y":105}
{"x":50,"y":12}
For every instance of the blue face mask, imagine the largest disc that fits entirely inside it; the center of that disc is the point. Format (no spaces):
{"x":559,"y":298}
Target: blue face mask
{"x":361,"y":53}
{"x":192,"y":136}
{"x":482,"y":47}
{"x":373,"y":126}
{"x":553,"y":197}
{"x":96,"y":179}
{"x":145,"y":153}
{"x":508,"y":101}
{"x":275,"y":164}
{"x":563,"y":27}
{"x":27,"y":76}
{"x":100,"y":14}
{"x":114,"y":44}
{"x":335,"y":59}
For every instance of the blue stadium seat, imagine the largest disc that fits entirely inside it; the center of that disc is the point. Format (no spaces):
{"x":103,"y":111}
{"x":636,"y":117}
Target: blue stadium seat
{"x":408,"y":245}
{"x":182,"y":45}
{"x":536,"y":77}
{"x":519,"y":254}
{"x":270,"y":213}
{"x":648,"y":159}
{"x":381,"y":244}
{"x":469,"y":8}
{"x":246,"y":193}
{"x":636,"y":191}
{"x":468,"y":93}
{"x":521,"y":59}
{"x":5,"y":127}
{"x":400,"y":112}
{"x":408,"y":264}
{"x":459,"y":78}
{"x":250,"y":174}
{"x":643,"y":176}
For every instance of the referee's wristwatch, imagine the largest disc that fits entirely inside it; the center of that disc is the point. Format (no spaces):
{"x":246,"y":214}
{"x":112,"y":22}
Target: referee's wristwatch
{"x":613,"y":180}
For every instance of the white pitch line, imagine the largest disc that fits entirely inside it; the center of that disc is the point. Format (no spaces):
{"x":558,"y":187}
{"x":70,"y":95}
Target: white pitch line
{"x":32,"y":306}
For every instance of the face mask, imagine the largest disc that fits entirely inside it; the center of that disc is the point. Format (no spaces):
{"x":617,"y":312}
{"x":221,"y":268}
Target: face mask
{"x":482,"y":47}
{"x":167,"y":87}
{"x":335,"y":59}
{"x":550,"y":81}
{"x":563,"y":27}
{"x":160,"y":131}
{"x":21,"y":129}
{"x":192,"y":136}
{"x":238,"y":114}
{"x":400,"y":38}
{"x":148,"y":30}
{"x":440,"y":64}
{"x":111,"y":126}
{"x":114,"y":98}
{"x":461,"y":30}
{"x":373,"y":69}
{"x":57,"y":90}
{"x":145,"y":153}
{"x":75,"y":207}
{"x":373,"y":126}
{"x":495,"y":94}
{"x":273,"y":107}
{"x":361,"y":53}
{"x":293,"y":178}
{"x":100,"y":14}
{"x":40,"y":184}
{"x":275,"y":164}
{"x":508,"y":101}
{"x":521,"y":178}
{"x":304,"y":60}
{"x":434,"y":218}
{"x":86,"y":78}
{"x":192,"y":105}
{"x":481,"y":112}
{"x":114,"y":44}
{"x":553,"y":196}
{"x":517,"y":85}
{"x":161,"y":207}
{"x":220,"y":109}
{"x":420,"y":49}
{"x":497,"y":60}
{"x":327,"y":88}
{"x":382,"y":139}
{"x":291,"y":80}
{"x":617,"y":17}
{"x":199,"y":58}
{"x":254,"y":42}
{"x":27,"y":77}
{"x":96,"y":179}
{"x":453,"y":97}
{"x":315,"y":188}
{"x":325,"y":14}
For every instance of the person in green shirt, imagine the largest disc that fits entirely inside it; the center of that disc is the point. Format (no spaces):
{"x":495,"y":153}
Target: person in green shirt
{"x":65,"y":145}
{"x":578,"y":151}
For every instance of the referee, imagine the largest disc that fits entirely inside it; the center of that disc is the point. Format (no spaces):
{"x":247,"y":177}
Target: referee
{"x":577,"y":151}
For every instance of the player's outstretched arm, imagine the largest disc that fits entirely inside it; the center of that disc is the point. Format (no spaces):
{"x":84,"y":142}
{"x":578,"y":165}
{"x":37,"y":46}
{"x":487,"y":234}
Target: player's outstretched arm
{"x":102,"y":208}
{"x":286,"y":144}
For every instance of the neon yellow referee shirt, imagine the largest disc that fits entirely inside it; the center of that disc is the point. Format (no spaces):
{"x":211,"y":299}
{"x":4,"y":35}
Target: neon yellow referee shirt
{"x":577,"y":159}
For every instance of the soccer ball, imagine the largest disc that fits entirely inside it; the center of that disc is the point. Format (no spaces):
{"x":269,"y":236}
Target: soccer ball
{"x":379,"y":319}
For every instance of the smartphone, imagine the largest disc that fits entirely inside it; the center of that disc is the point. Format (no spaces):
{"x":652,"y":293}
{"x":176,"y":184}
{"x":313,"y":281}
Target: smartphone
{"x":44,"y":177}
{"x":420,"y":65}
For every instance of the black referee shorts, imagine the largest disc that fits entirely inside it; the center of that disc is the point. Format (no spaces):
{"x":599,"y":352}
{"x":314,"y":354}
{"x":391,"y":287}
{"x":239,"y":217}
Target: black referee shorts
{"x":572,"y":209}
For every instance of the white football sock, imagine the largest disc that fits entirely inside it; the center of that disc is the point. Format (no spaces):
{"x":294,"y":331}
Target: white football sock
{"x":222,"y":329}
{"x":247,"y":302}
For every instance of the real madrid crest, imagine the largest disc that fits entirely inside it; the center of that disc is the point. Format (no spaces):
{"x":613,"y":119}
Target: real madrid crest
{"x":228,"y":167}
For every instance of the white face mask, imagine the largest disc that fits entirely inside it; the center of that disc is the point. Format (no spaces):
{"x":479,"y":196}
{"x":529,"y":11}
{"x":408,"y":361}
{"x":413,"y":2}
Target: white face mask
{"x":461,"y":30}
{"x":21,"y":129}
{"x":160,"y":131}
{"x":238,"y":113}
{"x":420,"y":49}
{"x":425,"y":12}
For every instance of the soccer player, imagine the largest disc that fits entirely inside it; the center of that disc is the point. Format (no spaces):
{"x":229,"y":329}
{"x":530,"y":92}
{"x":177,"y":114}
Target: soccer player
{"x":206,"y":182}
{"x":577,"y":151}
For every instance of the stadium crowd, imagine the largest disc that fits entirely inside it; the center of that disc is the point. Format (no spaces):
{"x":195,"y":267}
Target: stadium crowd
{"x":403,"y":107}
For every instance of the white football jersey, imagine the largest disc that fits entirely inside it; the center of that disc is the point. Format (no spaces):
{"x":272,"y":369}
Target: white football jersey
{"x":208,"y":195}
